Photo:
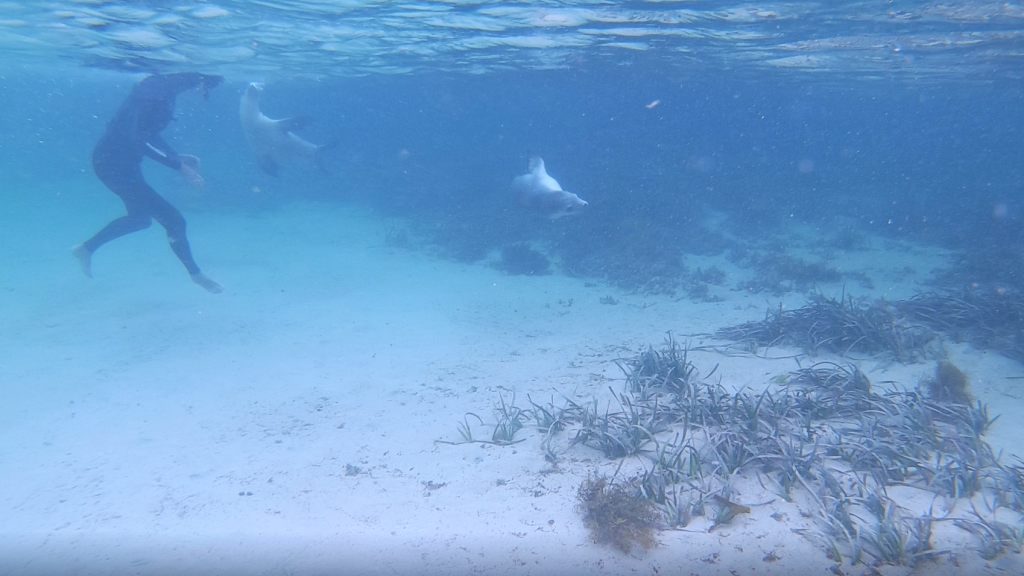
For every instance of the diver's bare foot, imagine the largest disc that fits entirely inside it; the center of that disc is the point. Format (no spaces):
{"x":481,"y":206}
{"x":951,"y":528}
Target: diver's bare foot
{"x":206,"y":282}
{"x":84,"y":256}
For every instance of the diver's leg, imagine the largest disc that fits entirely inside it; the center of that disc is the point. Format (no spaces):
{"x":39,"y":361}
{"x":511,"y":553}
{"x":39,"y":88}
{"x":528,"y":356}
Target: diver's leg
{"x":171,"y":219}
{"x":84,"y":257}
{"x":134,"y":221}
{"x":117,"y":228}
{"x":126,"y":181}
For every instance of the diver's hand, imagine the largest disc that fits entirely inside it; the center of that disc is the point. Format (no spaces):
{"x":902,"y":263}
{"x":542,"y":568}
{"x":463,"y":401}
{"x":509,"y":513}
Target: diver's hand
{"x":190,"y":170}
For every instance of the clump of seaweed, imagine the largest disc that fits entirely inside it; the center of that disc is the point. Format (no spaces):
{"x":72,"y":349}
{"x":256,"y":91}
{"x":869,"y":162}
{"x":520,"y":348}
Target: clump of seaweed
{"x":949,"y":384}
{"x":829,"y":389}
{"x":521,"y":259}
{"x":777,"y":272}
{"x":987,"y":317}
{"x":617,"y":513}
{"x":666,"y":370}
{"x":619,"y":433}
{"x":510,"y":419}
{"x":837,"y":325}
{"x":990,"y":317}
{"x":825,"y":439}
{"x":711,"y":275}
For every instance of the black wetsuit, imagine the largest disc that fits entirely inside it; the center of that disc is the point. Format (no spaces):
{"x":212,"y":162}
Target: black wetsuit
{"x":133,"y":133}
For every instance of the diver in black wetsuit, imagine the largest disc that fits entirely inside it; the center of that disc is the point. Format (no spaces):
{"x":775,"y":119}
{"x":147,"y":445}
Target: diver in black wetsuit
{"x":134,"y":132}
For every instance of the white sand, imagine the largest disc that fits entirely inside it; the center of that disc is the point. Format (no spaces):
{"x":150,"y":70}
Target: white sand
{"x":288,"y":426}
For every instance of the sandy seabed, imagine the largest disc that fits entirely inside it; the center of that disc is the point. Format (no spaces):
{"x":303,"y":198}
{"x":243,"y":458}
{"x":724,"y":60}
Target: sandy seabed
{"x":289,"y":425}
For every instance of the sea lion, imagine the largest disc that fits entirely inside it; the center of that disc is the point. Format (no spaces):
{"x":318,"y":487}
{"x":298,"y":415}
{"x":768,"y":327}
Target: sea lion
{"x":541,"y":193}
{"x":273,"y":141}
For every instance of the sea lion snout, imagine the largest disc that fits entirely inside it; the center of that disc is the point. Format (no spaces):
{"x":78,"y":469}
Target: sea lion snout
{"x":571,"y":204}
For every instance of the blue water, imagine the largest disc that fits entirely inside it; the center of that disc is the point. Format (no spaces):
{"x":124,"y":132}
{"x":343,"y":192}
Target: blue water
{"x":906,"y":121}
{"x":941,"y":162}
{"x":694,"y":130}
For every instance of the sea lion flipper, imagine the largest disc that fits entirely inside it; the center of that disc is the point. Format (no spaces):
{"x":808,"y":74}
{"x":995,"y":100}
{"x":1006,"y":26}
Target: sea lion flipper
{"x":294,"y":123}
{"x":537,"y":165}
